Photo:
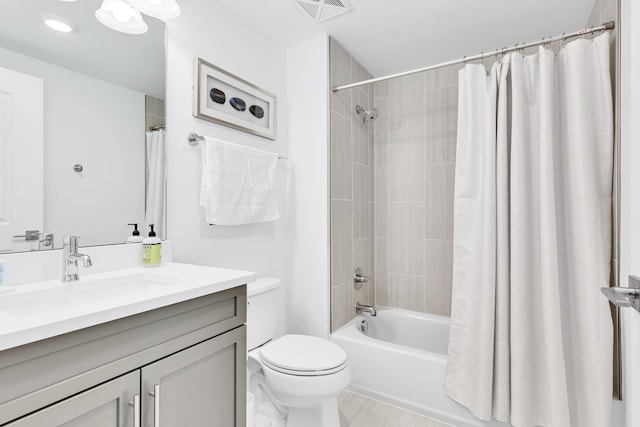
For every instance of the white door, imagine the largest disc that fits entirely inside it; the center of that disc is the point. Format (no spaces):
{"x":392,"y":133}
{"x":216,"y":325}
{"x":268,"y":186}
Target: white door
{"x":21,"y":160}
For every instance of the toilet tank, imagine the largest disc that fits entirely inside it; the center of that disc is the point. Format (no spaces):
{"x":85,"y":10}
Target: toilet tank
{"x":262,"y":310}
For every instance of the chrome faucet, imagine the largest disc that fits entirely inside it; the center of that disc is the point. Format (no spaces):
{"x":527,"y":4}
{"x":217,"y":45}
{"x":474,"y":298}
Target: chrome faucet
{"x":362,"y":308}
{"x":70,"y":257}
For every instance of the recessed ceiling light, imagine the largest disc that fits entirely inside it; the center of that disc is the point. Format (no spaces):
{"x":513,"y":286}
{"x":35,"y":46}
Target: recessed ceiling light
{"x":59,"y":24}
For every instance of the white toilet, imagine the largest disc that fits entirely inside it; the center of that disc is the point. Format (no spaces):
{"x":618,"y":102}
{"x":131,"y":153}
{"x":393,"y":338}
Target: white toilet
{"x":302,"y":373}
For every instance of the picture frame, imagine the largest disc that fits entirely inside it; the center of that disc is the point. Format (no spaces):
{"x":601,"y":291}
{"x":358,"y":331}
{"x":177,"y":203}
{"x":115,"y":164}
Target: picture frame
{"x":226,"y":99}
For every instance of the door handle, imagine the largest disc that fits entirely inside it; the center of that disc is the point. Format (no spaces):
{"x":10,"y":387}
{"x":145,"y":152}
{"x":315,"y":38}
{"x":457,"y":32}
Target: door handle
{"x":625,"y":297}
{"x":155,"y":393}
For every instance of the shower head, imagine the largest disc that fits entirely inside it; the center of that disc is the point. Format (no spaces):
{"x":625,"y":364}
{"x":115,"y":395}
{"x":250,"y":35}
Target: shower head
{"x":367,"y":116}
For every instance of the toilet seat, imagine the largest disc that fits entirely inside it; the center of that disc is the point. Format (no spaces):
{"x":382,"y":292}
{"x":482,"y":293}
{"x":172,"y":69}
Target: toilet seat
{"x":303,"y":355}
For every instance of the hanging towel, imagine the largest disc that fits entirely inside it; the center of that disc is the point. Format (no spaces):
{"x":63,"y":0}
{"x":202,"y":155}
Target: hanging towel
{"x":237,"y":183}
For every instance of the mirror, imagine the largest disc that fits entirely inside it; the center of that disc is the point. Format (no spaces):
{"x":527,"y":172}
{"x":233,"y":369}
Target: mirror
{"x":76,"y":154}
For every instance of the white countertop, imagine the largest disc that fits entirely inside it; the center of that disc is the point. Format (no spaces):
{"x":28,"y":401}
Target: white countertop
{"x":41,"y":310}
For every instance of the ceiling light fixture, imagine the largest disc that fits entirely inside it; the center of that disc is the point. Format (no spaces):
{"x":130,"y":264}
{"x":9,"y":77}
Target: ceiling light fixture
{"x":59,"y":24}
{"x":124,"y":15}
{"x":121,"y":16}
{"x":161,"y":9}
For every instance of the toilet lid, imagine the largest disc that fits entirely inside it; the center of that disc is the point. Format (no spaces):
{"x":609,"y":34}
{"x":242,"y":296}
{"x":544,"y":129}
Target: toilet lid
{"x":303,"y":355}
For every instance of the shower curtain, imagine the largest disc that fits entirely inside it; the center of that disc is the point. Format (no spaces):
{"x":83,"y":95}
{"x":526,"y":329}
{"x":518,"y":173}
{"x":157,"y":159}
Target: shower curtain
{"x":155,"y":180}
{"x":531,"y":336}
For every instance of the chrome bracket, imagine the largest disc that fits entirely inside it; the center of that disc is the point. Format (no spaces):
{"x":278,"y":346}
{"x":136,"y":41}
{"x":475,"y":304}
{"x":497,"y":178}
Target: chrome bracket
{"x":625,"y":297}
{"x":29,"y":235}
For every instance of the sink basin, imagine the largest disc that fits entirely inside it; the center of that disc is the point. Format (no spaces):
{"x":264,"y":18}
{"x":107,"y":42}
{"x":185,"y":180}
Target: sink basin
{"x":84,"y":294}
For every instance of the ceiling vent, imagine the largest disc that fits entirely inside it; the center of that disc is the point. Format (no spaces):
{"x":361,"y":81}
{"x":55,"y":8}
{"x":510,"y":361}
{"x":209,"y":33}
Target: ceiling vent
{"x":321,"y":10}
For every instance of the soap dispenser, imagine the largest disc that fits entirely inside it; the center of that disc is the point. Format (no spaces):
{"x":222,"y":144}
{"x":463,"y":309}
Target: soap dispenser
{"x":151,"y":249}
{"x":135,"y":236}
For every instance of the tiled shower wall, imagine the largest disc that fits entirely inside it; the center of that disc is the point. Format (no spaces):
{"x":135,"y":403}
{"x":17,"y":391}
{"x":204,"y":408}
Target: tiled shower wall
{"x":351,"y":175}
{"x":415,"y":149}
{"x":413,"y":184}
{"x":392,"y":189}
{"x":154,"y":112}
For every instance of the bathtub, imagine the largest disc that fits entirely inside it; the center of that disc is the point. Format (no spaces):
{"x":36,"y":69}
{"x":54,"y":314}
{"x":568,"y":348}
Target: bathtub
{"x":401,"y":358}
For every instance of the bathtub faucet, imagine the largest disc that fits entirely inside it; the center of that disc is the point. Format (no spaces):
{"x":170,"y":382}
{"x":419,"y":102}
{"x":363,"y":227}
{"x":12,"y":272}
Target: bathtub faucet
{"x":362,"y":308}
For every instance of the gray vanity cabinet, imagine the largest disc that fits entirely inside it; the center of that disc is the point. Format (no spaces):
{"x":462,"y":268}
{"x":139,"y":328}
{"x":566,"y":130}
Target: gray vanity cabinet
{"x":186,"y":363}
{"x":106,"y":405}
{"x":196,"y":387}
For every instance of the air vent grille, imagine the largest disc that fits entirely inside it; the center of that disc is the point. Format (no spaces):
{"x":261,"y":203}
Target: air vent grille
{"x":336,"y":3}
{"x":310,"y":8}
{"x":321,"y":10}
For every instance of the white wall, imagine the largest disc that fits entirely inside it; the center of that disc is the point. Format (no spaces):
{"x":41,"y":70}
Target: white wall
{"x":217,"y":35}
{"x":630,"y":209}
{"x":101,"y":126}
{"x":307,"y":80}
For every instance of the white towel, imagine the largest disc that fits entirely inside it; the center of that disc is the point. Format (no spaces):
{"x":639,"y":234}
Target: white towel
{"x":237,"y":183}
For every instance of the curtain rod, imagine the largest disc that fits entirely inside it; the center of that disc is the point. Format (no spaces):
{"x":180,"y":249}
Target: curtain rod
{"x":604,"y":27}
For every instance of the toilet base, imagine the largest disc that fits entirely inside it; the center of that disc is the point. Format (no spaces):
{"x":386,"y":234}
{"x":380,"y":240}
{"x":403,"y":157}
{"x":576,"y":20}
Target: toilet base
{"x":325,"y":415}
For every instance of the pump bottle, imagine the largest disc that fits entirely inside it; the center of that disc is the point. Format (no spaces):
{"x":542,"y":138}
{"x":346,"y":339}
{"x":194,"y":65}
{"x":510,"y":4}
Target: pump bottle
{"x":135,"y":236}
{"x":151,"y":249}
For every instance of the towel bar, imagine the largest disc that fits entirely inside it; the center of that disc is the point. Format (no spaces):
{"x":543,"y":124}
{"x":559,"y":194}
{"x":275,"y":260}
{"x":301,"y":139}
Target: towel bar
{"x":194,"y":139}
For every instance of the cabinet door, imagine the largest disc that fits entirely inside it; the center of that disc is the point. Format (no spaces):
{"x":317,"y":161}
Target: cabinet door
{"x":106,"y":405}
{"x":202,"y":386}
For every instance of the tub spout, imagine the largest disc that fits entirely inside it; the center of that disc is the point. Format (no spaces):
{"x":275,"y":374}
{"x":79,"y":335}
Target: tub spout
{"x":362,"y":308}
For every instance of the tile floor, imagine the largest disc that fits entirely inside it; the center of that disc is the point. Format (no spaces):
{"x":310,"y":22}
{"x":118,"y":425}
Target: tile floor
{"x":360,"y":411}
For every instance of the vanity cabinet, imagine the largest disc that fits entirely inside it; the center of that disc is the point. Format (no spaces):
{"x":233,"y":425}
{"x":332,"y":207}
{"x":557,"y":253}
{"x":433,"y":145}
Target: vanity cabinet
{"x":195,"y":387}
{"x":181,"y":365}
{"x":106,"y":405}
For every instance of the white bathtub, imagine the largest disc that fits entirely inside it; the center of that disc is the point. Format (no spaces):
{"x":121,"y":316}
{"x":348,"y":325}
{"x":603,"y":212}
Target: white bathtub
{"x":401,"y":359}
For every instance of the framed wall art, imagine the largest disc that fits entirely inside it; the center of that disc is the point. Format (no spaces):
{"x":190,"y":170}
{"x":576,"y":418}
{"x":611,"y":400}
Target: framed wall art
{"x":226,"y":99}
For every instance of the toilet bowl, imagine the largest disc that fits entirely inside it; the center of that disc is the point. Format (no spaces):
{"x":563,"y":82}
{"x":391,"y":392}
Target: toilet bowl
{"x":302,"y":373}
